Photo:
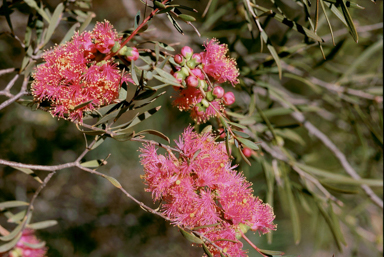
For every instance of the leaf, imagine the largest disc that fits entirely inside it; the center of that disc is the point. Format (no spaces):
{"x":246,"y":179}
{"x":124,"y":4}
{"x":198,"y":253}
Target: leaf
{"x":35,"y":246}
{"x":248,"y":143}
{"x":291,"y":135}
{"x":137,"y":19}
{"x":8,"y":246}
{"x":175,"y":24}
{"x":70,"y":33}
{"x":34,"y":5}
{"x":166,"y":75}
{"x":191,"y":237}
{"x":42,"y":224}
{"x":7,"y":15}
{"x":241,"y":134}
{"x":293,"y":25}
{"x":28,"y":172}
{"x":206,"y":250}
{"x":146,"y":94}
{"x":17,"y":230}
{"x":54,"y":22}
{"x":154,"y":132}
{"x":113,"y":181}
{"x":139,"y":119}
{"x":124,"y":136}
{"x":17,"y":217}
{"x":163,"y":45}
{"x":93,"y":163}
{"x":82,"y":105}
{"x":273,"y":253}
{"x":88,"y":20}
{"x":12,"y":204}
{"x":272,"y":50}
{"x":349,"y":20}
{"x":133,"y":73}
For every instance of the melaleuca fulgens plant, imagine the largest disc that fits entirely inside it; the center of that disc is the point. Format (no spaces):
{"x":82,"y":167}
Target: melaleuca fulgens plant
{"x":106,"y":82}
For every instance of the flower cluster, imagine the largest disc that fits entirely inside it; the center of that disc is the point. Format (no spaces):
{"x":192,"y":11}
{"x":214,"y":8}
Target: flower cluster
{"x":27,"y":246}
{"x":200,"y":73}
{"x":75,"y":73}
{"x":200,"y":188}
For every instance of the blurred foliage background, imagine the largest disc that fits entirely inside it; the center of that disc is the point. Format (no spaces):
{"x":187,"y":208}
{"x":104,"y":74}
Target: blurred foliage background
{"x":95,"y":219}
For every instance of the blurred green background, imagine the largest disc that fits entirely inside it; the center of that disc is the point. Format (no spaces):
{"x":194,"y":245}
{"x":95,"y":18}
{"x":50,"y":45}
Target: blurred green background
{"x":95,"y":219}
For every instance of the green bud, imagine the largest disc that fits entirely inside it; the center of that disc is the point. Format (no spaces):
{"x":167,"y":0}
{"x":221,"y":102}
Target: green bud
{"x":116,"y":47}
{"x":210,"y":97}
{"x":203,"y":84}
{"x":159,"y":5}
{"x":205,"y":103}
{"x":123,"y":51}
{"x":185,"y":71}
{"x":191,"y":64}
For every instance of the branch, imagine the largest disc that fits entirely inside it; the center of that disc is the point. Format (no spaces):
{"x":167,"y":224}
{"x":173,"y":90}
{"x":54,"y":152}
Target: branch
{"x":332,"y":87}
{"x":339,"y":155}
{"x":16,"y":97}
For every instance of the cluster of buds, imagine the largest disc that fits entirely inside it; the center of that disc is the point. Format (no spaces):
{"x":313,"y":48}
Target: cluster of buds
{"x":200,"y":74}
{"x":77,"y":77}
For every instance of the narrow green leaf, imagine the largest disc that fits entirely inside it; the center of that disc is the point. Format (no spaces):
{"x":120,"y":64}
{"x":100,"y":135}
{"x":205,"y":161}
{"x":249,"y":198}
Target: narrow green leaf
{"x":154,"y":132}
{"x":206,"y":250}
{"x":137,"y":19}
{"x":146,"y":94}
{"x":139,"y":119}
{"x":88,"y":20}
{"x":17,"y":217}
{"x":349,"y":20}
{"x":70,"y":33}
{"x":272,"y":50}
{"x":28,"y":172}
{"x":42,"y":224}
{"x":248,"y":143}
{"x":34,"y":5}
{"x":166,"y":75}
{"x":54,"y":22}
{"x":12,"y":204}
{"x":82,"y":105}
{"x":191,"y":237}
{"x":92,"y":164}
{"x":175,"y":24}
{"x":113,"y":181}
{"x":186,"y":17}
{"x":35,"y":246}
{"x":293,"y":25}
{"x":8,"y":246}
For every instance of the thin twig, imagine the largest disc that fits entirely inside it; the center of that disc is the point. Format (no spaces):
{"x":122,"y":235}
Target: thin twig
{"x":339,"y":155}
{"x":16,"y":97}
{"x":5,"y":71}
{"x":332,"y":87}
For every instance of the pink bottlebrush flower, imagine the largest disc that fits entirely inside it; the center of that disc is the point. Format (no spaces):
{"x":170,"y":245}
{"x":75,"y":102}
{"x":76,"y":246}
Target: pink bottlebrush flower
{"x":104,"y":37}
{"x":217,"y":64}
{"x":69,"y":76}
{"x":200,"y":188}
{"x":25,"y":246}
{"x":208,"y":113}
{"x":187,"y":98}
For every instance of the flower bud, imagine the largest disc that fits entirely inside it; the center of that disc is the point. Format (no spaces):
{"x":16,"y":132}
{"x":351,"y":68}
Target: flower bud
{"x":191,"y":64}
{"x":185,"y":71}
{"x":123,"y":50}
{"x":179,"y":76}
{"x":198,"y":73}
{"x":132,"y":54}
{"x":229,"y":98}
{"x":199,"y":110}
{"x":218,"y":92}
{"x":192,"y":81}
{"x":179,"y":59}
{"x":210,"y":96}
{"x":203,"y":84}
{"x":205,"y":103}
{"x":187,"y":52}
{"x":247,"y":152}
{"x":116,"y":47}
{"x":197,"y":58}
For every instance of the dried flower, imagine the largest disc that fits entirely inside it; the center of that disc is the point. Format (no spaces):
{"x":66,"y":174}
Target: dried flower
{"x":201,"y":188}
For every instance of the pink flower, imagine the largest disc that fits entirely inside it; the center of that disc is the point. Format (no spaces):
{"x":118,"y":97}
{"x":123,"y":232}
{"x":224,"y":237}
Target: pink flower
{"x":70,"y":77}
{"x":217,"y":64}
{"x":23,"y":248}
{"x":200,"y":188}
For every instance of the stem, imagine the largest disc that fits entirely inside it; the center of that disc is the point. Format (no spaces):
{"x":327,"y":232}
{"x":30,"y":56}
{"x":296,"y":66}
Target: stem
{"x":249,"y":242}
{"x":150,"y":16}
